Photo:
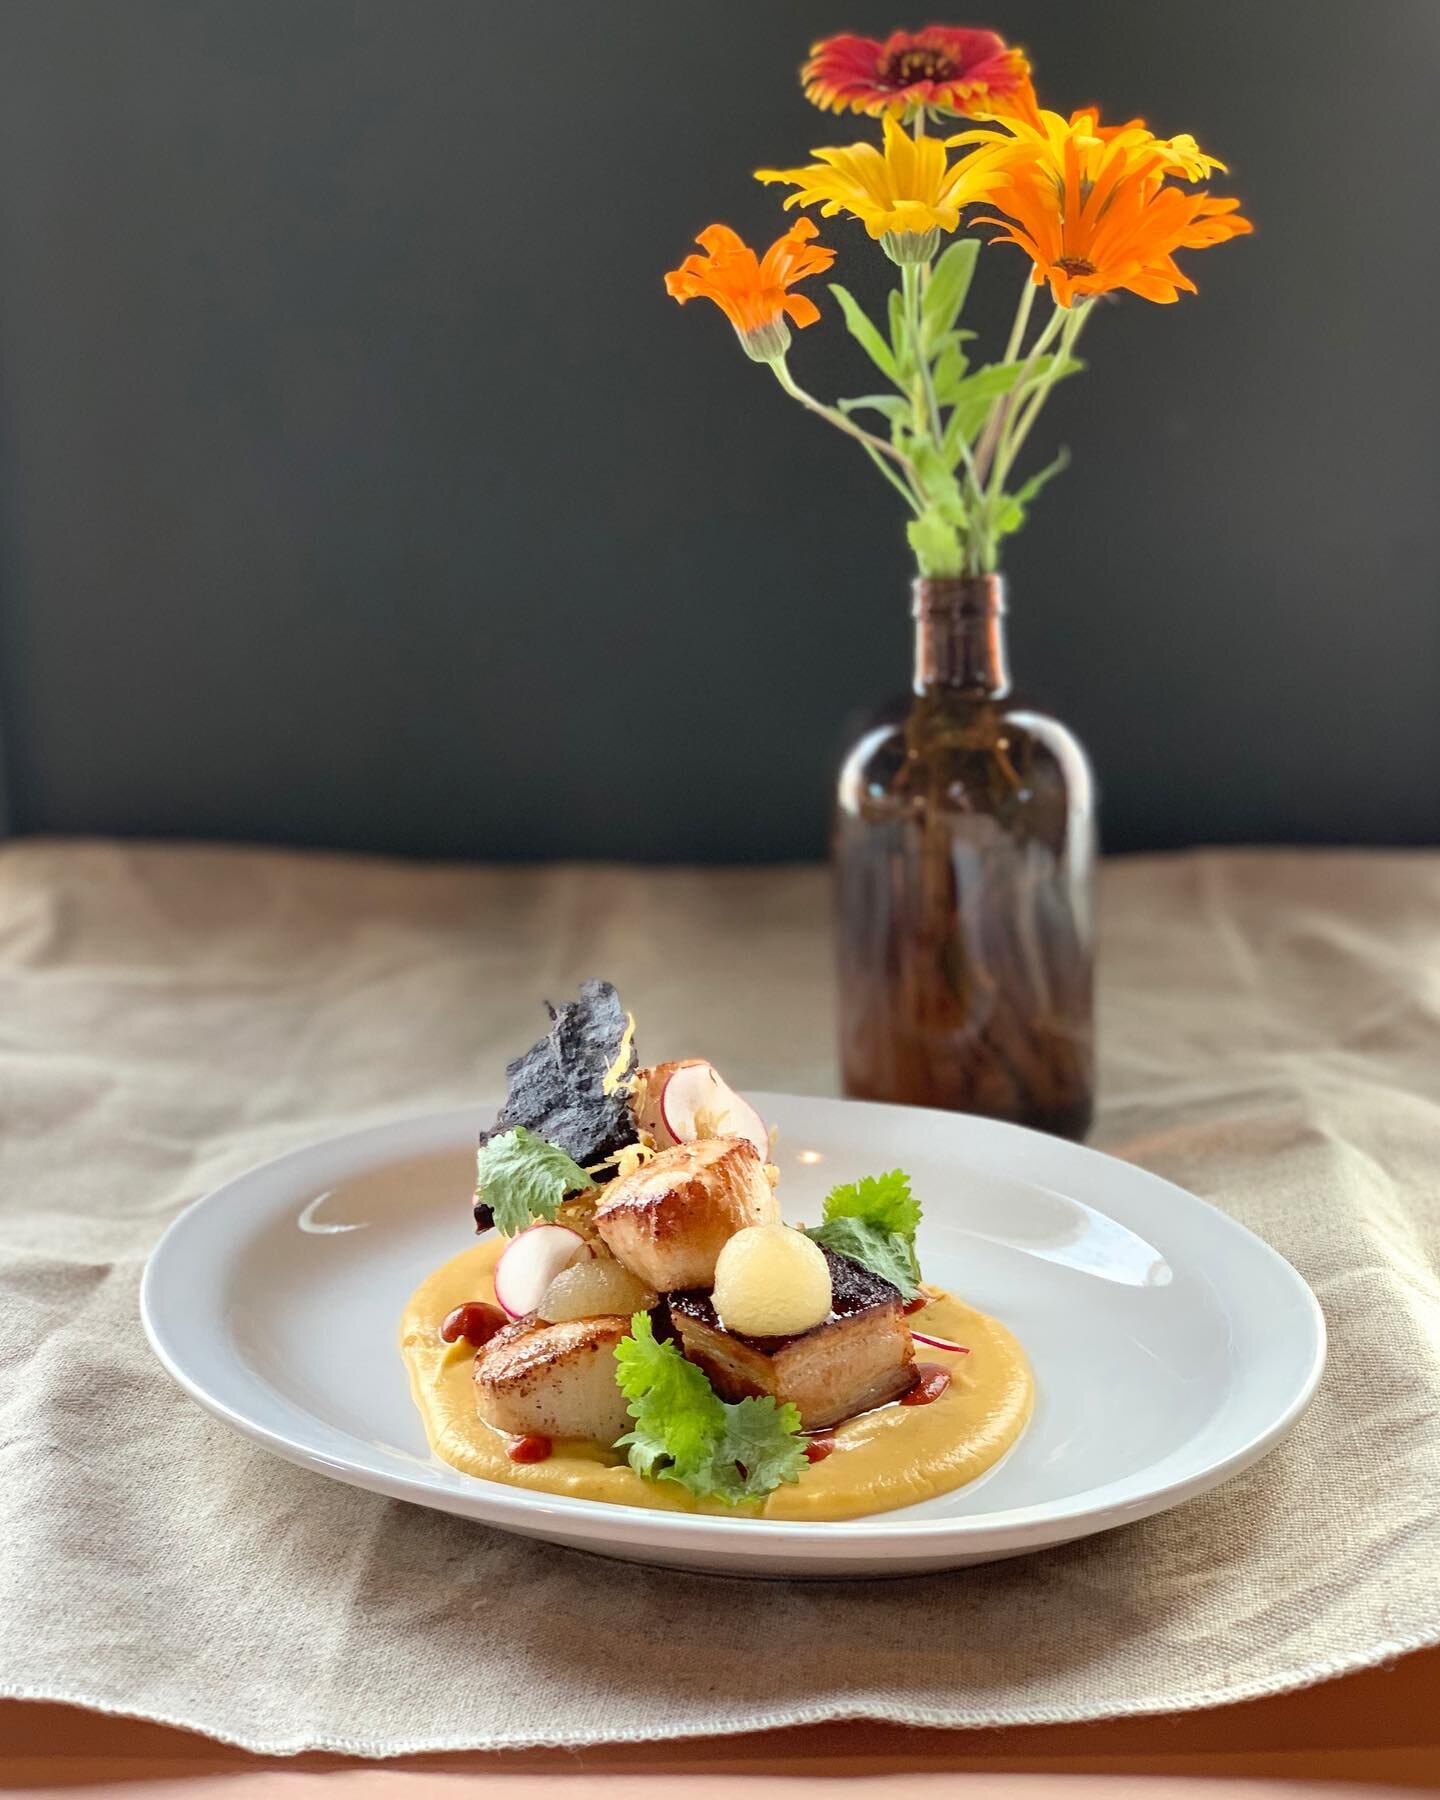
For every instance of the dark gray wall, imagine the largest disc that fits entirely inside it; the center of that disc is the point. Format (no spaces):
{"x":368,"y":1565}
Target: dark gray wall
{"x":359,"y":485}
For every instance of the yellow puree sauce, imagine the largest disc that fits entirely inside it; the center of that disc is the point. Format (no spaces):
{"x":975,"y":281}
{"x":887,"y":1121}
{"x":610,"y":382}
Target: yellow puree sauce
{"x":891,"y":1457}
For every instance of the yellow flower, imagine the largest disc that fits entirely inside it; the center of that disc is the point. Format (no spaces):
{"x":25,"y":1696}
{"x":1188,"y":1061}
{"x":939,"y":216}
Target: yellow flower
{"x":1095,"y":206}
{"x":1033,"y":135}
{"x":902,"y":196}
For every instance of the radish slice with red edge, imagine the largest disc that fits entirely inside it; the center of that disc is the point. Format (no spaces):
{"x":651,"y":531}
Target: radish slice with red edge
{"x":935,"y":1343}
{"x":697,"y":1103}
{"x":531,"y":1261}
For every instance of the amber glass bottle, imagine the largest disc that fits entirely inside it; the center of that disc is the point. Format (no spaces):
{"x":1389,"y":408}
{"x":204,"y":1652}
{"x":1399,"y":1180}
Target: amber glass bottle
{"x":964,"y":853}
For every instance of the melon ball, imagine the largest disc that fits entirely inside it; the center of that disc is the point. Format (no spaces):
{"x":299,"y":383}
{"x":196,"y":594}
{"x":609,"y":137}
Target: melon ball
{"x":593,"y":1288}
{"x":771,"y":1281}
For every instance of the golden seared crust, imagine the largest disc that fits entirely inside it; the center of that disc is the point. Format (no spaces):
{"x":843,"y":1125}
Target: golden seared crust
{"x":557,"y":1380}
{"x":669,"y":1221}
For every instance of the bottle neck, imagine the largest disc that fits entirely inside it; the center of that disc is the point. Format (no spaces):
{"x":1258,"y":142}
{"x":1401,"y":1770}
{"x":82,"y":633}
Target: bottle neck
{"x":960,"y":636}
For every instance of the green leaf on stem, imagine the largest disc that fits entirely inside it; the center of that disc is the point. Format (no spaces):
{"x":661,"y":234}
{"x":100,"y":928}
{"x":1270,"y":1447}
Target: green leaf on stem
{"x":900,"y":336}
{"x":936,"y":544}
{"x":866,"y":333}
{"x":1010,"y":515}
{"x":947,"y":288}
{"x":889,"y":406}
{"x":971,"y":399}
{"x":950,"y":366}
{"x":937,"y":479}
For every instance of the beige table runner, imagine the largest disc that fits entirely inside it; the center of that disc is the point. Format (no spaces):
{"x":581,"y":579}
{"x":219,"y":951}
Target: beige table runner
{"x":169,"y":1016}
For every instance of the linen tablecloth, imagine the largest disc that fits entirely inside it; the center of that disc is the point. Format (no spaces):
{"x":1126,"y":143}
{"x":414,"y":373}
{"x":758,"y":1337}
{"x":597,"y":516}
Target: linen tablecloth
{"x":1270,"y":1029}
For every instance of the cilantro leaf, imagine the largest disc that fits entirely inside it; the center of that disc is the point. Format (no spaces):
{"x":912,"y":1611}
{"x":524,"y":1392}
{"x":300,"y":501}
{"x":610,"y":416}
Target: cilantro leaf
{"x":522,"y":1178}
{"x":872,"y":1222}
{"x":883,"y":1200}
{"x":678,"y":1415}
{"x":885,"y":1253}
{"x":761,"y":1449}
{"x":684,"y":1432}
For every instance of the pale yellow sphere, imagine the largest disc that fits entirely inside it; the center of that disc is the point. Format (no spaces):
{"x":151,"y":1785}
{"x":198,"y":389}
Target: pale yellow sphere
{"x":771,"y":1281}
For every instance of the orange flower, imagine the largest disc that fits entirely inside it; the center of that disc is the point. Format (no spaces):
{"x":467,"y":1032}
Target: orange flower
{"x":753,"y":293}
{"x":1092,"y":205}
{"x":948,"y":68}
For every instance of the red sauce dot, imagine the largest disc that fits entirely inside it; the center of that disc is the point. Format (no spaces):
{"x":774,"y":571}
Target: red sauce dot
{"x":819,"y":1447}
{"x":476,"y":1321}
{"x":931,"y":1381}
{"x":528,"y":1449}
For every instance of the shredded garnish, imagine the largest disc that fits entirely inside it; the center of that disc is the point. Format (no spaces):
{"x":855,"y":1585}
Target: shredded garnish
{"x":617,"y":1073}
{"x":624,"y":1161}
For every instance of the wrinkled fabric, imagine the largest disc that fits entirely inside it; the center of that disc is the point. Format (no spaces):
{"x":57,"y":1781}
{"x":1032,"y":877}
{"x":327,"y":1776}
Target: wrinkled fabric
{"x":1270,"y":1036}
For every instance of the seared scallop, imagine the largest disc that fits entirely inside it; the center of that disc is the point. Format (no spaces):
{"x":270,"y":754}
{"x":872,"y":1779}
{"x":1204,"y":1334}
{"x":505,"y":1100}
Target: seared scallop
{"x":670,"y":1220}
{"x":555,"y":1380}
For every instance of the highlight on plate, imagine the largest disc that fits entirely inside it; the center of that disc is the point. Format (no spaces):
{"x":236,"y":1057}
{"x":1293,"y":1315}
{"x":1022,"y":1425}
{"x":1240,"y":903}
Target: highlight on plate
{"x":640,"y":1325}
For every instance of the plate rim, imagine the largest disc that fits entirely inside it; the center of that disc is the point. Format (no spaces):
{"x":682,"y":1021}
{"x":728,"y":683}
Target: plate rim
{"x":1014,"y":1528}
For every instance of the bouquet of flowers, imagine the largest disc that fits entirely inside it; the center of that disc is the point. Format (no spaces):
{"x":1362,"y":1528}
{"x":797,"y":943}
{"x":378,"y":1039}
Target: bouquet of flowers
{"x":1096,"y":209}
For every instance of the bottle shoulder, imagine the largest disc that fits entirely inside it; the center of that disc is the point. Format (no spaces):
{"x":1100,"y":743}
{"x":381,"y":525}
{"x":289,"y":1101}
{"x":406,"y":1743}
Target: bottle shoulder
{"x":961,"y":751}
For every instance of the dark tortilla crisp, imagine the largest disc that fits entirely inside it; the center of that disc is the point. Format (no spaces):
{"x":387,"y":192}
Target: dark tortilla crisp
{"x":556,"y":1089}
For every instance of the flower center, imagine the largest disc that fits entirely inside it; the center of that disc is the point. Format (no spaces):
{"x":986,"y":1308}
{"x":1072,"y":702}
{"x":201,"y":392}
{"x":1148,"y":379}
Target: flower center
{"x":902,"y":67}
{"x":1075,"y":265}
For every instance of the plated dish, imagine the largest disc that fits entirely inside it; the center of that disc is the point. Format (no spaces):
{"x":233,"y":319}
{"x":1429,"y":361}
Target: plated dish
{"x":641,"y":1326}
{"x":1171,"y":1347}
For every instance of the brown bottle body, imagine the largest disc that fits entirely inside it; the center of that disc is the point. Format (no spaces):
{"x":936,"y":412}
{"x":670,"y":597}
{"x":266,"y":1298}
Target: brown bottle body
{"x":964,"y":854}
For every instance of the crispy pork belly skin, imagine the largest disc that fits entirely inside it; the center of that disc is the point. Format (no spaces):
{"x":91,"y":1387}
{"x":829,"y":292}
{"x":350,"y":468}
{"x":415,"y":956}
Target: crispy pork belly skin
{"x":557,"y":1380}
{"x":669,"y":1220}
{"x":861,"y":1356}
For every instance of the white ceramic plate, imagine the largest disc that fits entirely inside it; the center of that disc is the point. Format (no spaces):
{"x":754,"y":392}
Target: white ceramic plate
{"x":1171,"y":1348}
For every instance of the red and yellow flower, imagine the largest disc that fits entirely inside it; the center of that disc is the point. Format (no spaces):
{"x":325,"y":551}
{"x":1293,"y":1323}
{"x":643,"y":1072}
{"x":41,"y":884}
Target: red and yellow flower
{"x":945,"y":68}
{"x":754,"y":292}
{"x":1094,"y":206}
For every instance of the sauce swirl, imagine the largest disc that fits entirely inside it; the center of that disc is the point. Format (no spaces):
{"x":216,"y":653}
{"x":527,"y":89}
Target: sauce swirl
{"x":931,"y":1381}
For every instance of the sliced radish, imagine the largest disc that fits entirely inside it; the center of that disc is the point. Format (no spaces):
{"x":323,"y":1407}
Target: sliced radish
{"x":647,"y":1102}
{"x":940,"y":1343}
{"x":696,"y":1103}
{"x":530,"y":1262}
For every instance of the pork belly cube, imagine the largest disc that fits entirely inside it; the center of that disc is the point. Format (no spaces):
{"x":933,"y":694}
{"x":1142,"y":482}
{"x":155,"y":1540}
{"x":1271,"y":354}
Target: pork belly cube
{"x":860,"y":1357}
{"x":555,"y":1380}
{"x":670,"y":1220}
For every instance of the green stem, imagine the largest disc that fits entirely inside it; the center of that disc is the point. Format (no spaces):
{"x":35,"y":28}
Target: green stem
{"x":1014,"y":442}
{"x":923,"y":401}
{"x":1022,"y":319}
{"x":875,"y":447}
{"x":900,"y":486}
{"x":985,"y":449}
{"x":1004,"y":411}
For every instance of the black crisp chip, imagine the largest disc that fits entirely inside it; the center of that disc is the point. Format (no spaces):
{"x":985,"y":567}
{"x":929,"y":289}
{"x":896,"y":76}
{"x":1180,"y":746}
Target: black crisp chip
{"x":557,"y":1088}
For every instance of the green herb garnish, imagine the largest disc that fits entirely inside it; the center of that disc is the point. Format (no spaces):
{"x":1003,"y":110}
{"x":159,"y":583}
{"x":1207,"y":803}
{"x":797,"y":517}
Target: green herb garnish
{"x":521,"y":1178}
{"x":872,"y":1222}
{"x":685,"y":1432}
